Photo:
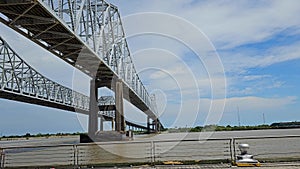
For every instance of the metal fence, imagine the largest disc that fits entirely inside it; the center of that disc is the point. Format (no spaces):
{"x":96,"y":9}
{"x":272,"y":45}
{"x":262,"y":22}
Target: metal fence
{"x":38,"y":156}
{"x":76,"y":155}
{"x":279,"y":148}
{"x":117,"y":152}
{"x":192,"y":150}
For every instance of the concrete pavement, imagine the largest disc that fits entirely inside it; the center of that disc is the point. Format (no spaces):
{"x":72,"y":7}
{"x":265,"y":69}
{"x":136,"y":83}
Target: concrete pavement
{"x":212,"y":166}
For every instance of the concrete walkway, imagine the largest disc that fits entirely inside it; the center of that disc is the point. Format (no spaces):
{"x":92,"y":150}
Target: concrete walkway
{"x":212,"y":166}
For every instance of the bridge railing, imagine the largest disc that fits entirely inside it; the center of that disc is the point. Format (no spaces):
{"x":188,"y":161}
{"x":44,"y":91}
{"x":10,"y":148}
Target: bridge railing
{"x":99,"y":25}
{"x":18,"y":77}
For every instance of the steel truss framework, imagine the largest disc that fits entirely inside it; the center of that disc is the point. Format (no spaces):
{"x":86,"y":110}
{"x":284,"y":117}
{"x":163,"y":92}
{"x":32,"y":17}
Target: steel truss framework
{"x":99,"y":25}
{"x":107,"y":112}
{"x":88,"y":34}
{"x":107,"y":106}
{"x":18,"y":80}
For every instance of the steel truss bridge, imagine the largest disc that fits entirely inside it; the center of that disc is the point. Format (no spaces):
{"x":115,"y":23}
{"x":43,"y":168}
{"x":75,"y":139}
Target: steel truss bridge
{"x":107,"y":108}
{"x":20,"y":82}
{"x":87,"y":34}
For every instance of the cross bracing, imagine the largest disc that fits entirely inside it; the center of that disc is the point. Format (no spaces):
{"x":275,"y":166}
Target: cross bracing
{"x":107,"y":106}
{"x":107,"y":109}
{"x":88,"y":34}
{"x":19,"y":81}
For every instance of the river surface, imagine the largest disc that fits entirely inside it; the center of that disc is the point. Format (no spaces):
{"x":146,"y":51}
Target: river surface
{"x":150,"y":148}
{"x":158,"y":137}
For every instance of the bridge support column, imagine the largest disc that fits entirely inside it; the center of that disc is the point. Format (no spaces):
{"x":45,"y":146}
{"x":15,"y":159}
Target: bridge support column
{"x":155,"y":125}
{"x":148,"y":124}
{"x":120,"y":120}
{"x":101,"y":124}
{"x":113,"y":124}
{"x":93,"y":114}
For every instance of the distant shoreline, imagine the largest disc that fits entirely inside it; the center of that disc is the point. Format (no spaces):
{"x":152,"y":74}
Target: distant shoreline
{"x":28,"y":136}
{"x":207,"y":128}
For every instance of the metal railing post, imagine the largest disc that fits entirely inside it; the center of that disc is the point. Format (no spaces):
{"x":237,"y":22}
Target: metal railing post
{"x":230,"y":149}
{"x":74,"y":156}
{"x":154,"y":160}
{"x":152,"y":149}
{"x":77,"y":156}
{"x":234,"y":151}
{"x":2,"y":158}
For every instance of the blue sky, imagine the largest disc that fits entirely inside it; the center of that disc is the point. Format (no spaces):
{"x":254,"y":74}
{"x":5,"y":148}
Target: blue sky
{"x":203,"y":59}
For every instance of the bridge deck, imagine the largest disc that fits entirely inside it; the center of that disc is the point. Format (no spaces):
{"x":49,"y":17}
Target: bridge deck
{"x":36,"y":21}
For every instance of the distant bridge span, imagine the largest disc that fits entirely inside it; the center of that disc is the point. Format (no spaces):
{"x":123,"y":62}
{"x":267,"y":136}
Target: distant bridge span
{"x":88,"y":35}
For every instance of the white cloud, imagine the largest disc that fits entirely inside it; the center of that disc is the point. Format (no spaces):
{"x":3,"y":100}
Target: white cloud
{"x":226,"y":24}
{"x":239,"y":62}
{"x":253,"y":103}
{"x":167,"y":72}
{"x":282,"y":54}
{"x":245,"y":85}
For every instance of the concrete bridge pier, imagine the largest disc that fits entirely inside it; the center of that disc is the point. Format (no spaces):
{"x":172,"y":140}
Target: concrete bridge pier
{"x":120,"y":120}
{"x":113,"y":124}
{"x":93,"y":114}
{"x":148,"y":124}
{"x":101,"y":124}
{"x":155,"y":125}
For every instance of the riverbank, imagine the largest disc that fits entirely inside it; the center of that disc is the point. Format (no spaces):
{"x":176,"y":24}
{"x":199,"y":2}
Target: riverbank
{"x":71,"y":139}
{"x":209,"y":128}
{"x":206,"y":128}
{"x":39,"y":135}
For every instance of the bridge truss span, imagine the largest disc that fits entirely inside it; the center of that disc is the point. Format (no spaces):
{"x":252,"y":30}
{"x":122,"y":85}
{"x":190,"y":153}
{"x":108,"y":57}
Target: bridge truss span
{"x":88,"y":34}
{"x":19,"y":81}
{"x":99,"y":25}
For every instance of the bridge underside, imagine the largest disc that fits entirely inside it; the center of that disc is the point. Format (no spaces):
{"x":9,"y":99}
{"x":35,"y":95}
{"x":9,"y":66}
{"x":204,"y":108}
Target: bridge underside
{"x":39,"y":101}
{"x":34,"y":20}
{"x":34,"y":100}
